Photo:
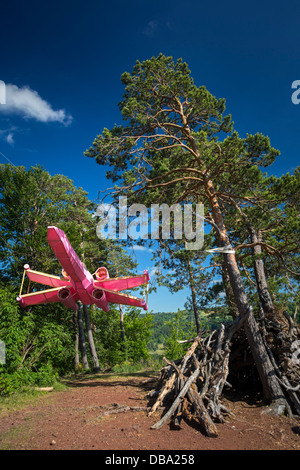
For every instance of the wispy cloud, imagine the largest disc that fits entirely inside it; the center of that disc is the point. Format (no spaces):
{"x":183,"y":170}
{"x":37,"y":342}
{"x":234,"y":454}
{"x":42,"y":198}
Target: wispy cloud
{"x":142,"y":248}
{"x":8,"y":134}
{"x":151,"y":28}
{"x":10,"y":138}
{"x":154,"y":27}
{"x":153,"y":271}
{"x":29,"y":104}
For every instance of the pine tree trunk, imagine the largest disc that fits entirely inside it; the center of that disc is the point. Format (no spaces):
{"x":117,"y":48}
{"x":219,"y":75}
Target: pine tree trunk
{"x":82,"y":340}
{"x":93,"y":351}
{"x":229,"y":294}
{"x":259,"y":270}
{"x":123,"y":330}
{"x":193,"y":293}
{"x":271,"y":388}
{"x":76,"y":335}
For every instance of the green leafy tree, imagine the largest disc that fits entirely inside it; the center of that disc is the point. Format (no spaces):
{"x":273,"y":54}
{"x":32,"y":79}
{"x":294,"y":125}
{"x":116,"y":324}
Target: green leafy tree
{"x":177,"y":325}
{"x":265,"y":229}
{"x":30,"y":201}
{"x":138,"y":333}
{"x":42,"y":337}
{"x":184,"y":269}
{"x":109,"y":339}
{"x":38,"y":347}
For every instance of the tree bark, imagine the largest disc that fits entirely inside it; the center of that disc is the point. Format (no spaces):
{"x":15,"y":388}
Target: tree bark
{"x":181,"y":394}
{"x":259,"y":270}
{"x":271,"y":388}
{"x":202,"y":413}
{"x":82,"y":340}
{"x":193,"y":293}
{"x":93,"y":351}
{"x":123,"y":330}
{"x":229,"y":294}
{"x":76,"y":335}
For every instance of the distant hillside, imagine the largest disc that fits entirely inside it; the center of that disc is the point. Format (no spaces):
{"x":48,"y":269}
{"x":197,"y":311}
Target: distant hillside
{"x":209,"y":319}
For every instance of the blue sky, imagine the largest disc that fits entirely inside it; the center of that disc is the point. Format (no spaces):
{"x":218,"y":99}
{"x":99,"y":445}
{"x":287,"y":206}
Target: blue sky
{"x":61,"y":63}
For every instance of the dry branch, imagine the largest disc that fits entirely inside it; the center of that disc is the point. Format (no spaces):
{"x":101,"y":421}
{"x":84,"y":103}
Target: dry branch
{"x":192,"y":387}
{"x":177,"y":401}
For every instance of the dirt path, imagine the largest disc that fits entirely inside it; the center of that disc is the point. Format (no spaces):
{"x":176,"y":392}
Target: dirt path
{"x":73,"y":419}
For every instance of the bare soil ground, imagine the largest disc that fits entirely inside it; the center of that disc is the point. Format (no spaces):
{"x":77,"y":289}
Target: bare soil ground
{"x":73,"y":419}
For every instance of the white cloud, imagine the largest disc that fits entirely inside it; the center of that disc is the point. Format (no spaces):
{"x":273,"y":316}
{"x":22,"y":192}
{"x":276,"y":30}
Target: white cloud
{"x":8,"y":134}
{"x":141,"y":248}
{"x":29,"y":104}
{"x":153,"y":271}
{"x":10,"y":138}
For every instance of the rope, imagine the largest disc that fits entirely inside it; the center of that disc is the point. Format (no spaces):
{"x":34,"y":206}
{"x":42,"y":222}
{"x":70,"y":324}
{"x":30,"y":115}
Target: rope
{"x":22,"y":283}
{"x":147,"y":294}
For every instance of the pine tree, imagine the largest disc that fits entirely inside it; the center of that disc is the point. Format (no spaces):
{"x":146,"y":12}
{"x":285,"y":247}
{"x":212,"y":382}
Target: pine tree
{"x":178,"y":145}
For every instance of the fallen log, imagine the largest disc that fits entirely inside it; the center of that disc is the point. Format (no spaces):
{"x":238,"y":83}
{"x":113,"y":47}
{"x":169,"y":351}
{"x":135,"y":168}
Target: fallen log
{"x":43,"y":389}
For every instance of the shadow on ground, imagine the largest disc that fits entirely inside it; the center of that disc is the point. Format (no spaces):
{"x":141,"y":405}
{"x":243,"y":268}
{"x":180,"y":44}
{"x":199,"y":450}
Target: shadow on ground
{"x":112,"y":380}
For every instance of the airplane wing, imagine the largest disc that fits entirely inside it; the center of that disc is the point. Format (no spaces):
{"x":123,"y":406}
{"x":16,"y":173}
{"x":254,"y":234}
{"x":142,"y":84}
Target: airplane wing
{"x":58,"y":294}
{"x":121,"y":283}
{"x":47,"y":279}
{"x":124,"y":299}
{"x":40,"y":297}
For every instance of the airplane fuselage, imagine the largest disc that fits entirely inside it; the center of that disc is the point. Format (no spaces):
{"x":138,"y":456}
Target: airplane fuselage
{"x":77,"y":283}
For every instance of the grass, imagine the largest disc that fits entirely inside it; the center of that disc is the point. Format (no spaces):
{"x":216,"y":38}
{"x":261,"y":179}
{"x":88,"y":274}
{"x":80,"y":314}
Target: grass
{"x":15,"y":435}
{"x":160,"y":350}
{"x":130,"y":367}
{"x":27,"y":397}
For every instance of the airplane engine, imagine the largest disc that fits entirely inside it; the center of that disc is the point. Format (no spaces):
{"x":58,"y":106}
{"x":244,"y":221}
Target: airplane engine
{"x":100,"y":299}
{"x":65,"y":275}
{"x":102,"y":274}
{"x":66,"y":298}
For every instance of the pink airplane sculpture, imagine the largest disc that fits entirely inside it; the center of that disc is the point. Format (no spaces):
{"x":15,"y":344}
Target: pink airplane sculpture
{"x":78,"y":284}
